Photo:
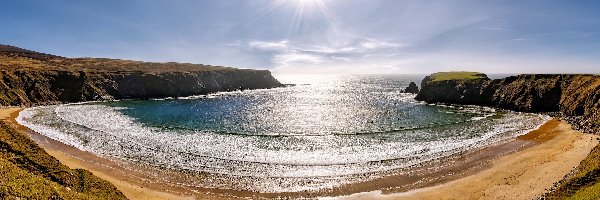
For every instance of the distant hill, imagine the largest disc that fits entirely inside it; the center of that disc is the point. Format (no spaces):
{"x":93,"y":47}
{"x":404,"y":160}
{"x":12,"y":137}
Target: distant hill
{"x":15,"y":57}
{"x":16,"y":51}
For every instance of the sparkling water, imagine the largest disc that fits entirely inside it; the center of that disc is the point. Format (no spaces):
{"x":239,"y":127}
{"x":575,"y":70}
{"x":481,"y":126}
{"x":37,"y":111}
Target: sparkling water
{"x":324,"y":132}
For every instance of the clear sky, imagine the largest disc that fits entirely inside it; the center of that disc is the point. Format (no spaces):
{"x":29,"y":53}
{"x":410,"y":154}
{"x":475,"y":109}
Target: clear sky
{"x":318,"y":36}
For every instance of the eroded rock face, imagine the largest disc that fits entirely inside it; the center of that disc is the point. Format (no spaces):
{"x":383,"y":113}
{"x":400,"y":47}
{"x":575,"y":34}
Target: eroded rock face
{"x":453,"y":91}
{"x":412,"y":88}
{"x":29,"y":78}
{"x":577,"y":97}
{"x":37,"y":87}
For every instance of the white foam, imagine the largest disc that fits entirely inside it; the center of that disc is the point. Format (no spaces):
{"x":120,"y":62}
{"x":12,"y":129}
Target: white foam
{"x":105,"y":131}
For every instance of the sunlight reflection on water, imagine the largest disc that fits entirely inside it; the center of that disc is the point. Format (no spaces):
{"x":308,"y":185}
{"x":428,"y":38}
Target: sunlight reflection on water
{"x":324,"y":132}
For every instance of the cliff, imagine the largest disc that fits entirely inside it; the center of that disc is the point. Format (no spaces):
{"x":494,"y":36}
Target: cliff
{"x":28,"y":78}
{"x":454,"y":88}
{"x":575,"y":97}
{"x":29,"y":172}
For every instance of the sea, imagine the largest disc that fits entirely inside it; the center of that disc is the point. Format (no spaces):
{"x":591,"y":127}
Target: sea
{"x":321,"y":133}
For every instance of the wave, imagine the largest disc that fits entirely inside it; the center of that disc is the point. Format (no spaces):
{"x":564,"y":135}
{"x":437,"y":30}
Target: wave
{"x":105,"y":131}
{"x":124,"y":124}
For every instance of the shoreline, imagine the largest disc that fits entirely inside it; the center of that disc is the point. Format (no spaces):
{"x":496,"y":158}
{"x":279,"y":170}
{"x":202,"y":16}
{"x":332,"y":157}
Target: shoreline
{"x":84,"y":160}
{"x":146,"y":183}
{"x":526,"y":174}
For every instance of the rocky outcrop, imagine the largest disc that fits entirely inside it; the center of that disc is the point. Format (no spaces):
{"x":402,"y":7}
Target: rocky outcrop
{"x":454,"y":91}
{"x":412,"y":88}
{"x":29,"y":78}
{"x":575,"y":97}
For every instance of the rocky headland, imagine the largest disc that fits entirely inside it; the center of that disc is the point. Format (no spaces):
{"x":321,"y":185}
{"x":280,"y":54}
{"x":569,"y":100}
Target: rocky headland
{"x":575,"y":97}
{"x":32,"y":78}
{"x":572,"y":97}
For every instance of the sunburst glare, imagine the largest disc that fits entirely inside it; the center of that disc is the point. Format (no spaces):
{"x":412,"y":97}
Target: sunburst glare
{"x":302,"y":10}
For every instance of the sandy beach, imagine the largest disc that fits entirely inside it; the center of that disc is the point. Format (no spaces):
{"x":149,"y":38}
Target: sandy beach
{"x":98,"y":166}
{"x":522,"y":175}
{"x":547,"y":154}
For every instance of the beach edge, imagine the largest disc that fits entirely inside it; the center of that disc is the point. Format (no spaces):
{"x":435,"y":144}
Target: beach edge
{"x":546,"y":139}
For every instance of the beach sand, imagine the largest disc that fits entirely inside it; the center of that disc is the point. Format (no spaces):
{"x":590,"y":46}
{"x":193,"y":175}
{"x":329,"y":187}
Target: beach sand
{"x":523,"y":175}
{"x":130,"y":189}
{"x":547,"y":154}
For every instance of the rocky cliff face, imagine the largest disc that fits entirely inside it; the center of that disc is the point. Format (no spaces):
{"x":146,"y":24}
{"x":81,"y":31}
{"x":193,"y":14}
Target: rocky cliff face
{"x":28,"y":78}
{"x":454,"y":91}
{"x":577,"y":97}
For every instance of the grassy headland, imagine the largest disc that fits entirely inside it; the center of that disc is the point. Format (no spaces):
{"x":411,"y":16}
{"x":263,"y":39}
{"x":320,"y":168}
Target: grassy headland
{"x":462,"y":75}
{"x":17,"y":58}
{"x":31,"y":78}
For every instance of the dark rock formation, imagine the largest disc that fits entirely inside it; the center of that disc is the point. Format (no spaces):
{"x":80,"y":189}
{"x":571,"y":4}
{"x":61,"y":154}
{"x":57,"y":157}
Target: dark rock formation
{"x":412,"y":88}
{"x":575,"y":97}
{"x":28,"y":78}
{"x":456,"y":91}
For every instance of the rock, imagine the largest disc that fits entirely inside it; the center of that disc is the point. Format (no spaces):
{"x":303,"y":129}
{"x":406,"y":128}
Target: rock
{"x":31,"y":78}
{"x":455,"y":91}
{"x":570,"y":94}
{"x":412,"y":88}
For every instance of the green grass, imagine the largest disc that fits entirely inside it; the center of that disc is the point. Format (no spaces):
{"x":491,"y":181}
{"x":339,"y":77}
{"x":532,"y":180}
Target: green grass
{"x":585,"y":184}
{"x":444,"y":76}
{"x":17,"y":182}
{"x":591,"y":193}
{"x":28,"y":172}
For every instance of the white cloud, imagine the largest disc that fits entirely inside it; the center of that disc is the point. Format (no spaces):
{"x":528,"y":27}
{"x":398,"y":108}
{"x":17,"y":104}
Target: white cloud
{"x":340,"y":51}
{"x":374,"y":44}
{"x":269,"y":46}
{"x":289,"y":58}
{"x":403,"y":39}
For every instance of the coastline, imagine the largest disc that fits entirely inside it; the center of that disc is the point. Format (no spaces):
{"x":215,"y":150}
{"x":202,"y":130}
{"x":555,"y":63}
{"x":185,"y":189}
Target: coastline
{"x":526,"y":174}
{"x":92,"y":163}
{"x":551,"y":147}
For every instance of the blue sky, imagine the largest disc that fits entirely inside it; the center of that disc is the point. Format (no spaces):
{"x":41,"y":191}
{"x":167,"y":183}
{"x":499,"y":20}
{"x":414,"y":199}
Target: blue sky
{"x":318,"y":36}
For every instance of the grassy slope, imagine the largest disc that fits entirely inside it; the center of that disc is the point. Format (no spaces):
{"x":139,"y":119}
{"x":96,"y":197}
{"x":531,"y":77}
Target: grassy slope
{"x":13,"y":58}
{"x":29,"y":172}
{"x":444,"y":76}
{"x":592,"y":192}
{"x":585,"y":183}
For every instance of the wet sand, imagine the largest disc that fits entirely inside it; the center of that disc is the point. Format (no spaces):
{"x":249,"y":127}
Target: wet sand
{"x":102,"y":168}
{"x":523,"y":175}
{"x":529,"y":164}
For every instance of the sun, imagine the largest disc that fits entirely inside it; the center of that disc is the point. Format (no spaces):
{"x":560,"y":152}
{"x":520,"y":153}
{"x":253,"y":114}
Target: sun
{"x":309,"y":2}
{"x":307,"y":6}
{"x":301,"y":10}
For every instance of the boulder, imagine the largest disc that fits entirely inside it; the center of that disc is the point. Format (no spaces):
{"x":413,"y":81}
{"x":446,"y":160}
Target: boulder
{"x":412,"y":88}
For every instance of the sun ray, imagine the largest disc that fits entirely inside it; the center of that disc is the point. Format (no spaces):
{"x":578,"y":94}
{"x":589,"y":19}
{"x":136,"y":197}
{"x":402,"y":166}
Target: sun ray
{"x":301,"y":9}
